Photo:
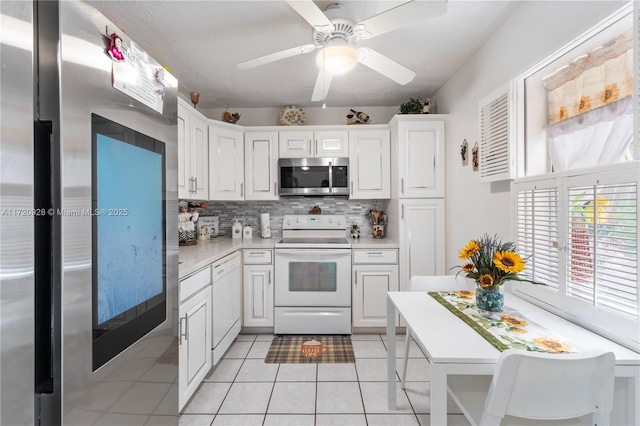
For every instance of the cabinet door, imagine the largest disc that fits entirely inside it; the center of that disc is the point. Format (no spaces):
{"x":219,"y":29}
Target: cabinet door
{"x":226,"y":164}
{"x":194,"y":340}
{"x":370,"y":286}
{"x":199,"y":157}
{"x":261,"y":165}
{"x":258,"y":296}
{"x":185,"y":180}
{"x":422,"y":244}
{"x":421,"y":159}
{"x":331,"y":144}
{"x":369,"y":164}
{"x":295,"y":144}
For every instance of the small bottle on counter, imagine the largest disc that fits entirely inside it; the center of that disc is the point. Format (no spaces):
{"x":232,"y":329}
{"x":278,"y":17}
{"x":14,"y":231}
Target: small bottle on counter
{"x":236,"y":229}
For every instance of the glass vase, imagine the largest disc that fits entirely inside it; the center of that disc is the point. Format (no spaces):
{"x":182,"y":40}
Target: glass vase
{"x":490,"y":299}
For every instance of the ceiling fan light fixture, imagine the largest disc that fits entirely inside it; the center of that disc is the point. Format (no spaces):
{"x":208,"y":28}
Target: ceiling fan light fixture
{"x":337,"y":58}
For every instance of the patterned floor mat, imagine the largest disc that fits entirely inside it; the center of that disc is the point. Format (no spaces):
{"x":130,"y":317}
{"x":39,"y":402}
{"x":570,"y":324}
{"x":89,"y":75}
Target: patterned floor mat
{"x":310,"y":350}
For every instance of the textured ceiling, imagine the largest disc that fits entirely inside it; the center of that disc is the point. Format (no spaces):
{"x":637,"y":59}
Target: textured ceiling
{"x":202,"y":41}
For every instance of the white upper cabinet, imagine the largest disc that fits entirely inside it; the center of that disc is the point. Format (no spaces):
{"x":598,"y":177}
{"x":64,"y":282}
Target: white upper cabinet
{"x":420,"y":141}
{"x":296,"y":144}
{"x":322,"y":143}
{"x":261,"y":165}
{"x":193,"y":156}
{"x":226,"y":162}
{"x":369,"y":164}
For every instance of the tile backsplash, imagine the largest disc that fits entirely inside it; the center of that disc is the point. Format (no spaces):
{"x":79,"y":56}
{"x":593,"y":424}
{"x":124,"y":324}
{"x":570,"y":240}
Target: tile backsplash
{"x":249,"y":211}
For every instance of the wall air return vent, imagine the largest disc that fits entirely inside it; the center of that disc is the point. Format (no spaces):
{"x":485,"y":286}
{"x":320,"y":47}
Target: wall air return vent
{"x":497,"y":135}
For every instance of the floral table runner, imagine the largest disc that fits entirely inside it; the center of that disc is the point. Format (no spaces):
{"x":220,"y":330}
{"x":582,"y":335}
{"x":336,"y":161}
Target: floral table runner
{"x":504,"y":330}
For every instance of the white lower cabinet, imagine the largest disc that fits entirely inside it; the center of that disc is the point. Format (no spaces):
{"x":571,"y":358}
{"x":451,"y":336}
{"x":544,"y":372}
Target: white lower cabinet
{"x":258,"y":295}
{"x":375,"y":272}
{"x":258,"y":288}
{"x":194,"y":339}
{"x":422,"y":245}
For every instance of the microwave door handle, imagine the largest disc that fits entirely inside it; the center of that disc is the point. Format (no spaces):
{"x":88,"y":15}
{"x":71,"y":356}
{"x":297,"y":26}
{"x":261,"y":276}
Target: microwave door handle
{"x":330,"y":178}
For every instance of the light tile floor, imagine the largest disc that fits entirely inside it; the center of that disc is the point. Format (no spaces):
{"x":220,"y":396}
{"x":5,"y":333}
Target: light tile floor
{"x":243,"y":390}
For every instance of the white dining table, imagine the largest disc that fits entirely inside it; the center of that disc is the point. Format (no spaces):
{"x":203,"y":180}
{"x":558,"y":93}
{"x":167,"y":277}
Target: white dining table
{"x":453,"y":348}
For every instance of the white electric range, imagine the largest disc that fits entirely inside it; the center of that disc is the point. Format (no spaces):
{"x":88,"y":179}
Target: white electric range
{"x":313,"y":276}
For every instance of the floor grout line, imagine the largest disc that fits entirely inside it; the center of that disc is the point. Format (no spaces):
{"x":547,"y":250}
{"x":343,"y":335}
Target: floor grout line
{"x":358,"y":379}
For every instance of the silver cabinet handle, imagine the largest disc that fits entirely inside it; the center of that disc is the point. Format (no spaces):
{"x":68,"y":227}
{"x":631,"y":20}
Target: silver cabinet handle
{"x":375,"y":253}
{"x":190,"y":185}
{"x":351,"y":187}
{"x":355,"y":279}
{"x":195,"y":184}
{"x":402,"y":186}
{"x":402,"y":213}
{"x":180,"y":333}
{"x":269,"y":278}
{"x":242,"y":189}
{"x":275,"y":188}
{"x":316,"y":147}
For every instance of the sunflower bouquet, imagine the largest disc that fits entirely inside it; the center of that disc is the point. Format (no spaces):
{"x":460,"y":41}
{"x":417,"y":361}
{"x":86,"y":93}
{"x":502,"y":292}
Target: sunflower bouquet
{"x":491,"y":262}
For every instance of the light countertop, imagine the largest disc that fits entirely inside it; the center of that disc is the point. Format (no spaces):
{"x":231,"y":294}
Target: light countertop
{"x":193,"y":258}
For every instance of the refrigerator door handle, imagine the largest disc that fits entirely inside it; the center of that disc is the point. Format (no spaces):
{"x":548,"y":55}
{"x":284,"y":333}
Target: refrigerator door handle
{"x":46,"y":255}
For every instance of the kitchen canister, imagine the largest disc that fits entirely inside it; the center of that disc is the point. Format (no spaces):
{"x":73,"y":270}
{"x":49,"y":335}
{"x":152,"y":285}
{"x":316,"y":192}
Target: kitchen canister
{"x":236,"y":229}
{"x":247,"y":232}
{"x":265,"y":225}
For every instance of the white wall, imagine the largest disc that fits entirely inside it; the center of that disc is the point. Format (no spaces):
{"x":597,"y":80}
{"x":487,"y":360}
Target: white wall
{"x":534,"y":31}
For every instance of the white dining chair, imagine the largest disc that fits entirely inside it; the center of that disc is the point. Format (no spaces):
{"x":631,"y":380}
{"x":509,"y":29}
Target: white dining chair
{"x":429,"y":283}
{"x":539,"y":387}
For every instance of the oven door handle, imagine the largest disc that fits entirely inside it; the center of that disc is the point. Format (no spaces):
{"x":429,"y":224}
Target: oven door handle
{"x":314,"y":252}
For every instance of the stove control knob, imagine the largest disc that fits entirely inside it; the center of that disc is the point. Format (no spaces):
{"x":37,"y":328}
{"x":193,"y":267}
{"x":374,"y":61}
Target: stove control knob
{"x":297,"y":220}
{"x":339,"y":222}
{"x":330,"y":220}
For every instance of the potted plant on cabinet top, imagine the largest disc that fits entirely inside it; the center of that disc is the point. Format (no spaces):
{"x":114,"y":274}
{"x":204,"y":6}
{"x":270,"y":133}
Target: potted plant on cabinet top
{"x":412,"y":106}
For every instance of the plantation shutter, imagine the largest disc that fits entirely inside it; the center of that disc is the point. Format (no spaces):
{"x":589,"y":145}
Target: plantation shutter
{"x":602,"y":253}
{"x":497,"y":144}
{"x":537,"y":229}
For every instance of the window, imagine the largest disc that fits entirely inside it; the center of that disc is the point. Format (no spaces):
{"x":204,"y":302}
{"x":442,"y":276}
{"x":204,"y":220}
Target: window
{"x":580,"y":232}
{"x":575,"y":219}
{"x":571,"y":99}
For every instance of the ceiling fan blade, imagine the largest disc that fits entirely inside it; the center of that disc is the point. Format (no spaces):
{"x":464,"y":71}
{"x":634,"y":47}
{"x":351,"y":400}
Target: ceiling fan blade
{"x":385,"y":66}
{"x":276,"y":56}
{"x":311,"y":13}
{"x":405,"y":15}
{"x":323,"y":82}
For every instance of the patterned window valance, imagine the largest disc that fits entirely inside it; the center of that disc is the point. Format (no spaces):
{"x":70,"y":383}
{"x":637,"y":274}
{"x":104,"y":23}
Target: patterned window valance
{"x":591,"y":81}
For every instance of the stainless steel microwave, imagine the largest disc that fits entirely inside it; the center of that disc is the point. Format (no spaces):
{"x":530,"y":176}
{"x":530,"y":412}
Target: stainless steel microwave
{"x":314,"y":176}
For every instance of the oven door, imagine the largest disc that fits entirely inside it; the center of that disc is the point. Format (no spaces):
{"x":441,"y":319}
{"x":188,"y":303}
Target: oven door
{"x":313,"y":277}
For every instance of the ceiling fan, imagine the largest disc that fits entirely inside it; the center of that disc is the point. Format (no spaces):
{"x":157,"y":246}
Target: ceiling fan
{"x":336,"y":32}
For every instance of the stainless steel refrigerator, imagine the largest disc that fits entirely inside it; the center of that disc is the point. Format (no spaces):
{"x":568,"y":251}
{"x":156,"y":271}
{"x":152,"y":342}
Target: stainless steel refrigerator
{"x":60,"y":244}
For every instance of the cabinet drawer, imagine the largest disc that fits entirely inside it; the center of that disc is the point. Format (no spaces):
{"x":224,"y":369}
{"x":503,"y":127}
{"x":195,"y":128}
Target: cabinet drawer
{"x":375,"y":256}
{"x":191,"y":285}
{"x":256,"y":256}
